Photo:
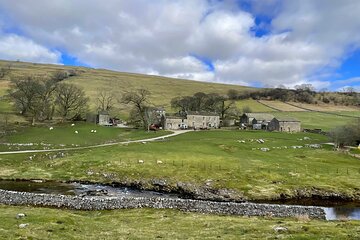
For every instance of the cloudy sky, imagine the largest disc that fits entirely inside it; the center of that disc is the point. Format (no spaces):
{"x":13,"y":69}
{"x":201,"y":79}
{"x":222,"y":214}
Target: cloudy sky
{"x":245,"y":42}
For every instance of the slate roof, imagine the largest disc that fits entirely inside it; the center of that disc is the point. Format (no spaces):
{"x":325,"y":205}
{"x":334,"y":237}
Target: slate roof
{"x":202,"y":113}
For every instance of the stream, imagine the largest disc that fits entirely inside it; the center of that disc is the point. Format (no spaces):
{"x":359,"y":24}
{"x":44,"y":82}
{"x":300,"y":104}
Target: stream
{"x":333,"y":210}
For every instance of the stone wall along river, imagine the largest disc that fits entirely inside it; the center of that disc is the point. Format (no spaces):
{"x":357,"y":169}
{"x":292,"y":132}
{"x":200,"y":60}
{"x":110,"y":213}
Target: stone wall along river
{"x":102,"y":203}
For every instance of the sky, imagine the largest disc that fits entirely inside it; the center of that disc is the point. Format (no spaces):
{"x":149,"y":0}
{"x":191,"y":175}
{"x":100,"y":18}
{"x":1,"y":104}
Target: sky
{"x":262,"y":43}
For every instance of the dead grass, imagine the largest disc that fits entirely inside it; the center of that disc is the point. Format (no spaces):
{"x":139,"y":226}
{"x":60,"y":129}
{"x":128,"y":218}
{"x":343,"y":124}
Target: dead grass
{"x":326,"y":107}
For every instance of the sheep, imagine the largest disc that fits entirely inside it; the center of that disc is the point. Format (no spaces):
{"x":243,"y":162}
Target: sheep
{"x":76,"y":132}
{"x":20,"y":215}
{"x":92,"y":131}
{"x":141,"y":161}
{"x":73,"y":124}
{"x":159,"y":162}
{"x":51,"y":128}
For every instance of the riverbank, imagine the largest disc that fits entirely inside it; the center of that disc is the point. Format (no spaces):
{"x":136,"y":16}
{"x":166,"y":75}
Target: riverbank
{"x":146,"y":223}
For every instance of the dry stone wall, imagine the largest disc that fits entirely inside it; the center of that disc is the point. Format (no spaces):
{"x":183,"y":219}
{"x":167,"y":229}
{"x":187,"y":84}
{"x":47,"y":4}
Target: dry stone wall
{"x":106,"y":203}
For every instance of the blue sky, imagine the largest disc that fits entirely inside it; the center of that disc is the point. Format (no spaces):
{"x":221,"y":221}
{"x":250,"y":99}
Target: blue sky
{"x":247,"y":42}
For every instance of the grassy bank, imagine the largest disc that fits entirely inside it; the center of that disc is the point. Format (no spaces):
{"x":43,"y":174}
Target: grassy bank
{"x":47,"y":223}
{"x":213,"y":158}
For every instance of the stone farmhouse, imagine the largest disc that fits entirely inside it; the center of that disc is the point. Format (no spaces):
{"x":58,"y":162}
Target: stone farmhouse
{"x":194,"y":120}
{"x":265,"y":121}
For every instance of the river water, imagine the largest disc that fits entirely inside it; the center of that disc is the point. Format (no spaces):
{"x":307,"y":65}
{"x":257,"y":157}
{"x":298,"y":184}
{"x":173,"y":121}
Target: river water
{"x":333,"y":210}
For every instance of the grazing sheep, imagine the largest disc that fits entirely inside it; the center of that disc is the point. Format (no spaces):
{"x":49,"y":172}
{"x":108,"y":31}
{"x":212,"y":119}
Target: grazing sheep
{"x":94,"y":131}
{"x":76,"y":132}
{"x":20,"y":215}
{"x":143,"y":142}
{"x":159,"y":162}
{"x":73,"y":124}
{"x":141,"y":161}
{"x":264,"y":149}
{"x":51,"y":128}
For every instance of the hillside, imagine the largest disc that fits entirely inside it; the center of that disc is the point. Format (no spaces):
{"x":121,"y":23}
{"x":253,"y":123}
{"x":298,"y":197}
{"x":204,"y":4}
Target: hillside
{"x":162,"y":89}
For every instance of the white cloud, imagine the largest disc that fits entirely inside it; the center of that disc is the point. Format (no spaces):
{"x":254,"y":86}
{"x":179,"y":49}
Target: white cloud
{"x":308,"y":39}
{"x":13,"y":47}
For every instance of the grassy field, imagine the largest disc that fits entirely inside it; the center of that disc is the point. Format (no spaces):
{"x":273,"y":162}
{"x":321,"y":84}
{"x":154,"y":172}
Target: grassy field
{"x":281,"y":106}
{"x":63,"y":135}
{"x":45,"y":223}
{"x":214,"y":157}
{"x":326,"y":107}
{"x":253,"y":105}
{"x":323,"y":121}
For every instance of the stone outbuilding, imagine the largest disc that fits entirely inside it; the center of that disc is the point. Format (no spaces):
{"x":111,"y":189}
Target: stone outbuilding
{"x":103,"y":118}
{"x":173,"y":122}
{"x":259,"y":120}
{"x":284,"y":125}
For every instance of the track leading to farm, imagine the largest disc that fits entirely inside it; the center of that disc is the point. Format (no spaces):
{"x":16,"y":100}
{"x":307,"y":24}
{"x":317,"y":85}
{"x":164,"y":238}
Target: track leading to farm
{"x":175,"y":133}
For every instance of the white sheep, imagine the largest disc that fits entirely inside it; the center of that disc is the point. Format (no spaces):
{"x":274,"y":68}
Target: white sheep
{"x":141,"y":161}
{"x":94,"y":131}
{"x":73,"y":124}
{"x":76,"y":132}
{"x":159,"y":162}
{"x":51,"y":128}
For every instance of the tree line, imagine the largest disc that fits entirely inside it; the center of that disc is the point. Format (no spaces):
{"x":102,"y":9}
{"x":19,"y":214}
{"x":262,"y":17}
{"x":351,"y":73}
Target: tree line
{"x":304,"y":93}
{"x":211,"y":102}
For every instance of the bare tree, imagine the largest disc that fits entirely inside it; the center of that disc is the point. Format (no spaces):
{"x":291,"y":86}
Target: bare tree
{"x":105,"y":101}
{"x":70,"y":100}
{"x":26,"y":94}
{"x":139,"y":100}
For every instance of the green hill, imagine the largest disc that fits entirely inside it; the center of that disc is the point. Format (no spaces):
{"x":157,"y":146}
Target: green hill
{"x":162,"y":89}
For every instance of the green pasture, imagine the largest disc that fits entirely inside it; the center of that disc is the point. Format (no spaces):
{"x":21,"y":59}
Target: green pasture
{"x":253,"y":105}
{"x":64,"y":135}
{"x":47,"y":223}
{"x":210,"y":157}
{"x":314,"y":120}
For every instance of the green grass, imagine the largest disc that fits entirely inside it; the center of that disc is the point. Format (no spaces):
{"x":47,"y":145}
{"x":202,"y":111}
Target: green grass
{"x":253,"y":105}
{"x":45,"y":223}
{"x":197,"y":157}
{"x":317,"y":120}
{"x":63,"y":135}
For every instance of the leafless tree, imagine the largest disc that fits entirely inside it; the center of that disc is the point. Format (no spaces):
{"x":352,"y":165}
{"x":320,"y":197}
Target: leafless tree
{"x":139,"y":100}
{"x":105,"y":101}
{"x":70,"y":100}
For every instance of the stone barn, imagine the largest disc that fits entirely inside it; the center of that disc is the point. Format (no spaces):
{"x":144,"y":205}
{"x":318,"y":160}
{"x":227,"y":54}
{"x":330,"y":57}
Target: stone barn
{"x":284,"y":125}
